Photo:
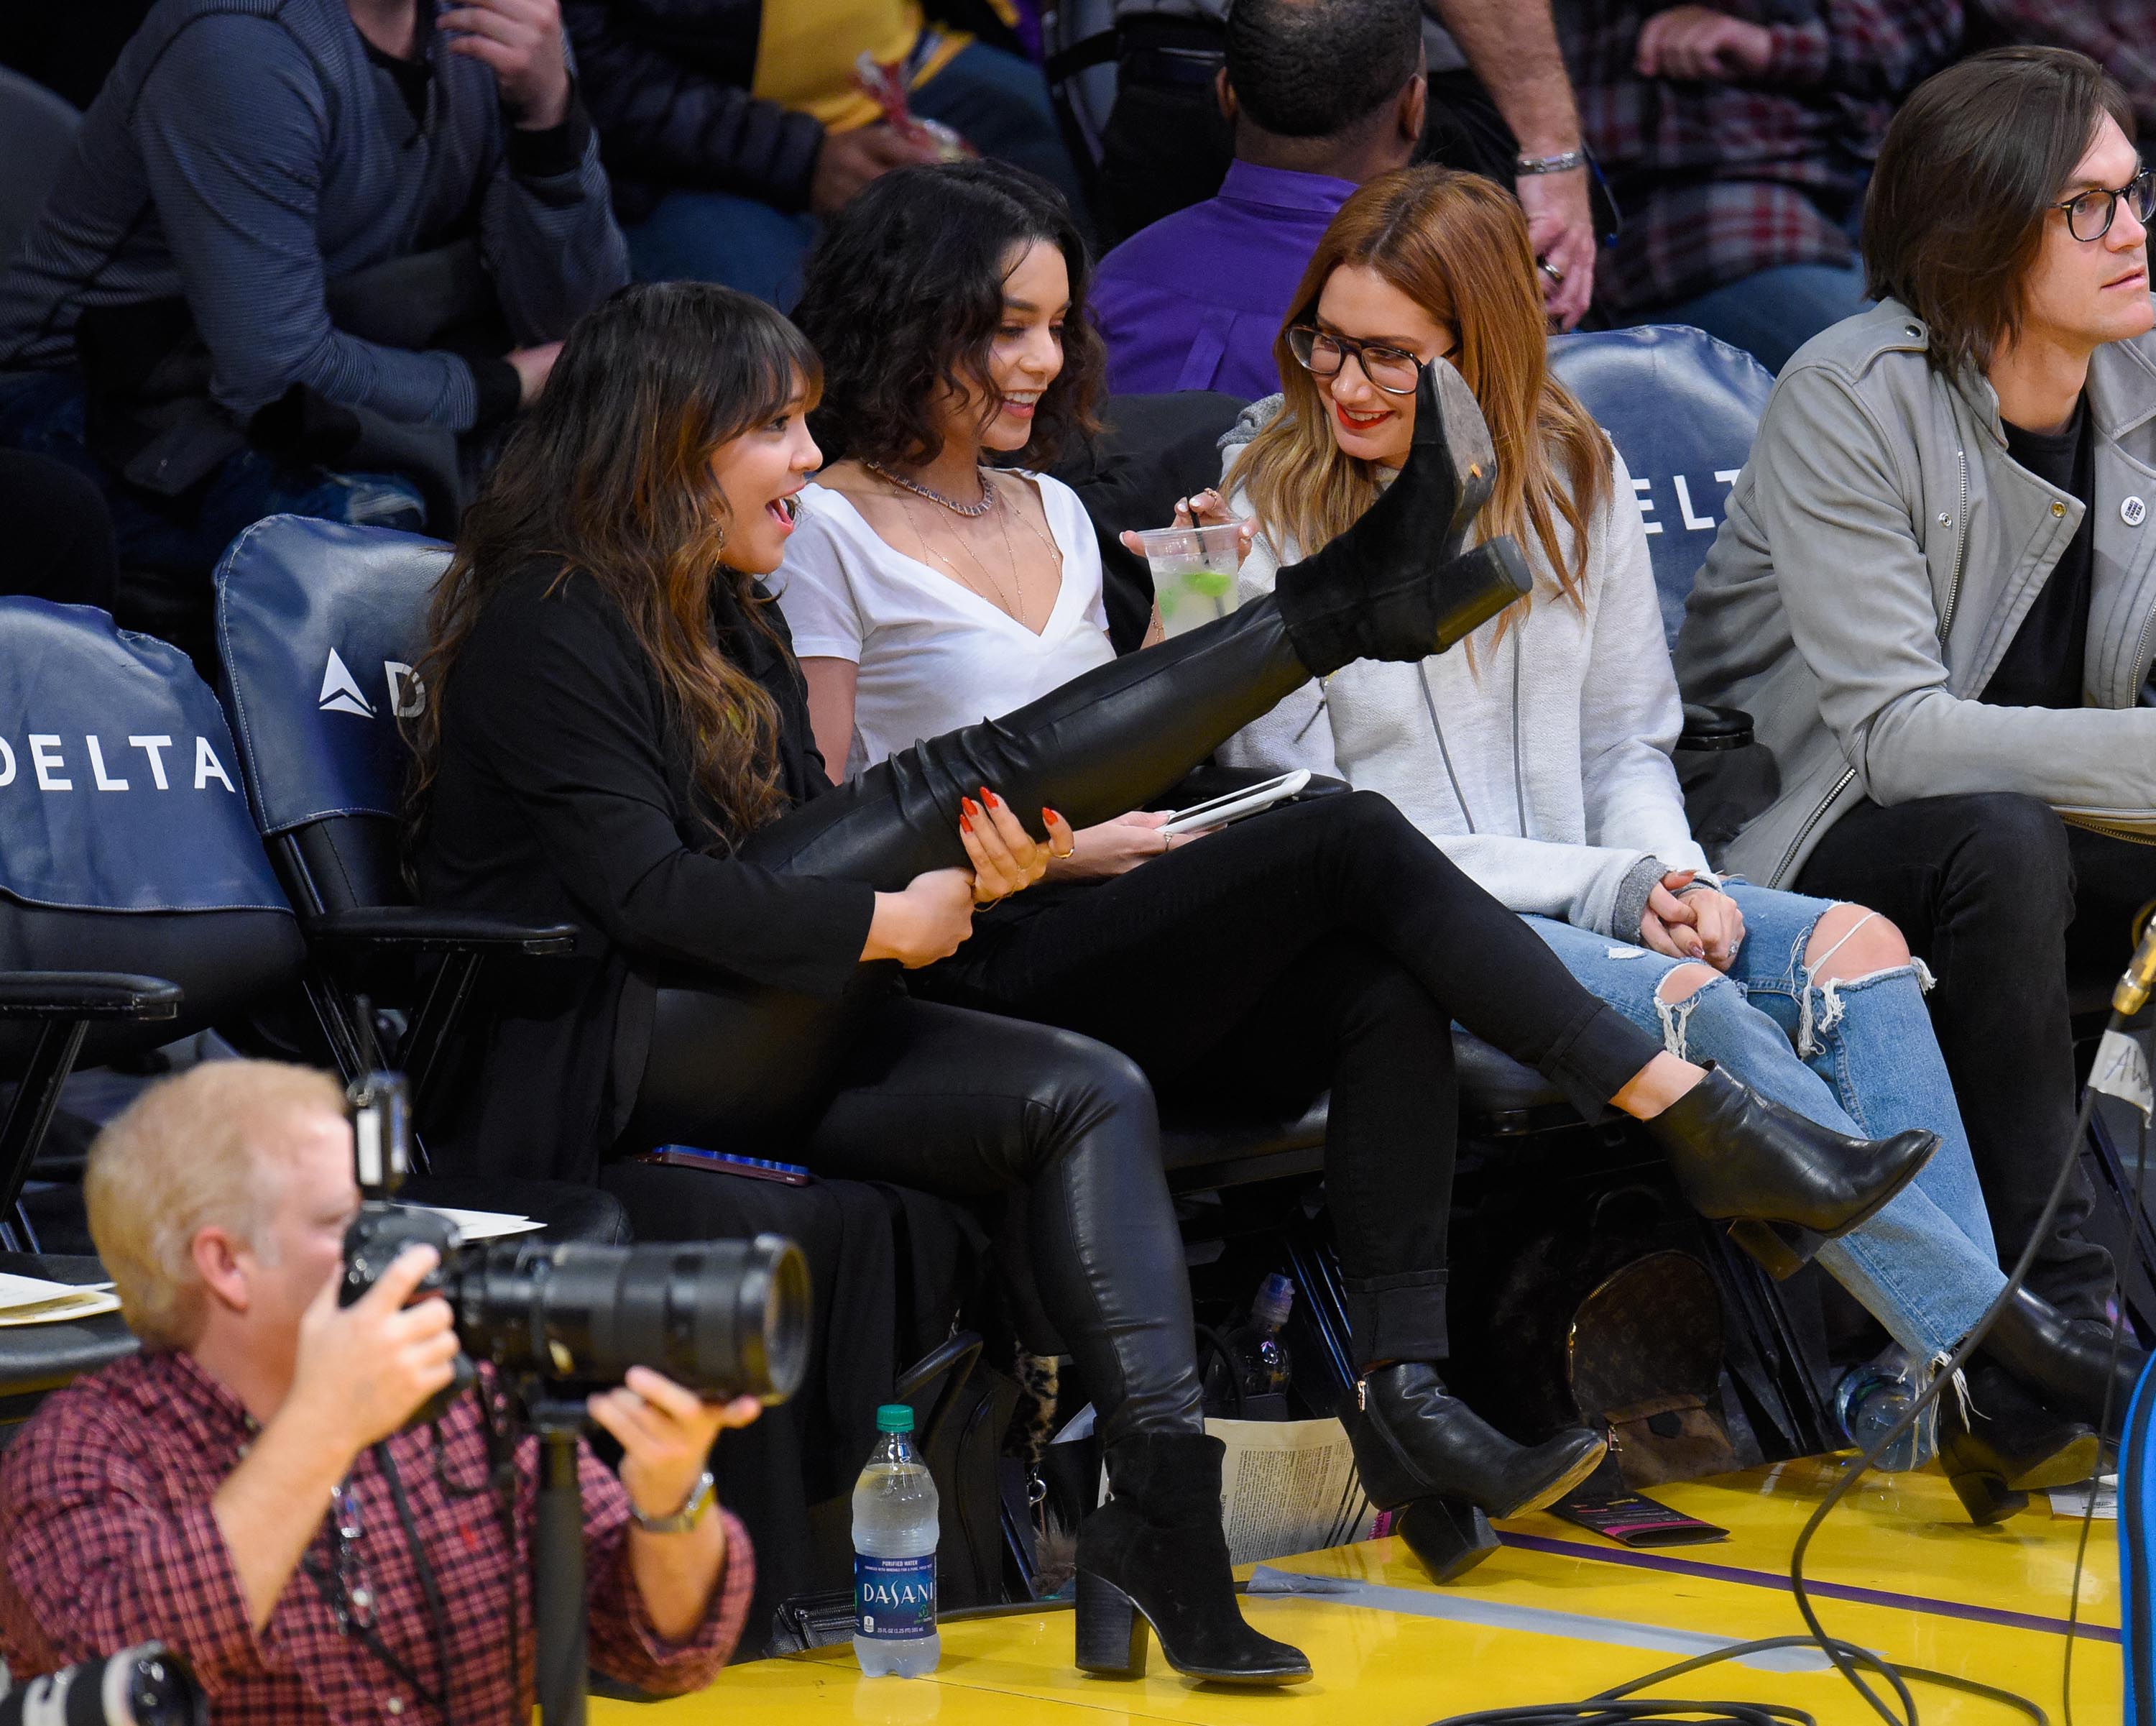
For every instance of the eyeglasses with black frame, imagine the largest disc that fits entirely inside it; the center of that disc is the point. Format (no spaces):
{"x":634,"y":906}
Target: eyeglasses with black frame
{"x":1322,"y":353}
{"x":2090,"y":214}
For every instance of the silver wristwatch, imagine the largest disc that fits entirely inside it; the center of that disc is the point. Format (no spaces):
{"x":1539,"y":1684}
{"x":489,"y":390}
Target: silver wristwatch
{"x":1561,"y":163}
{"x":684,"y":1519}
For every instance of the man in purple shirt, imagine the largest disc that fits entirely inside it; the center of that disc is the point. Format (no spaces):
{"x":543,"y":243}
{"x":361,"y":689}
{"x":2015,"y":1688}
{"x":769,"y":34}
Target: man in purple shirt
{"x":1325,"y":95}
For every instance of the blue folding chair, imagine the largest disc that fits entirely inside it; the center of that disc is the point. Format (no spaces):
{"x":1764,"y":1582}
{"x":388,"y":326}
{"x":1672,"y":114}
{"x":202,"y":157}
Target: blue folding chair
{"x":320,"y":626}
{"x":136,"y":906}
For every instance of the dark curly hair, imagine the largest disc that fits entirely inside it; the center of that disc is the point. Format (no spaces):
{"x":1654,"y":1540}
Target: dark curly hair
{"x":904,"y":295}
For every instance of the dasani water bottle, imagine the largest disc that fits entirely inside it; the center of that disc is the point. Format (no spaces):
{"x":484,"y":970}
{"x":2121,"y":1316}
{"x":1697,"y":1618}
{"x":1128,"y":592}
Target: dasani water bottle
{"x":895,"y":1527}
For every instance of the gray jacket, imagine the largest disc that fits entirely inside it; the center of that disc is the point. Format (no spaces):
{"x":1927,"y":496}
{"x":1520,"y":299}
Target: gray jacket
{"x":1880,"y":551}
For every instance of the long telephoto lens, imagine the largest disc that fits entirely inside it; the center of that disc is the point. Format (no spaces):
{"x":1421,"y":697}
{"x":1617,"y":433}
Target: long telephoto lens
{"x":144,"y":1686}
{"x":721,"y":1318}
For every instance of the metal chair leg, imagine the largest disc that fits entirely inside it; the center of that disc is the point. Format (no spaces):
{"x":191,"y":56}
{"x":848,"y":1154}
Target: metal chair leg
{"x":28,"y":1118}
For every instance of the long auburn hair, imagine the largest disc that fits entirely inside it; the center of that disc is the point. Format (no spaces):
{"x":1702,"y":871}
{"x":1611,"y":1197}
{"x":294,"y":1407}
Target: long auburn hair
{"x":1457,"y":245}
{"x":608,"y":473}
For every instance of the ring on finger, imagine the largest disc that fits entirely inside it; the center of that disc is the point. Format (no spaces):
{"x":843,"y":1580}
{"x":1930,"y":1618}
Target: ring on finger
{"x":1551,"y":270}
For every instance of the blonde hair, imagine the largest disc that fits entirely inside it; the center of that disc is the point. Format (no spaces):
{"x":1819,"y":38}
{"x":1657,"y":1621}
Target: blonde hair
{"x":190,"y":1153}
{"x":1457,"y":245}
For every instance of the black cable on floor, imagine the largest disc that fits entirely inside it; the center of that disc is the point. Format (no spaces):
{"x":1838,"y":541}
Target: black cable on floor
{"x":1610,"y":1707}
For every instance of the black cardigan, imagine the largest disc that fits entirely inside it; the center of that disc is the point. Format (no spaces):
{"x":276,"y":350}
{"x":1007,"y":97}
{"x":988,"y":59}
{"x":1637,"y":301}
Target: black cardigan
{"x":565,"y":795}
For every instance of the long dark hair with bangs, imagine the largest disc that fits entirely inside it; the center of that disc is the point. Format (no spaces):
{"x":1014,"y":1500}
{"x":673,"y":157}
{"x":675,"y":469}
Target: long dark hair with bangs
{"x":608,"y":473}
{"x":903,"y":296}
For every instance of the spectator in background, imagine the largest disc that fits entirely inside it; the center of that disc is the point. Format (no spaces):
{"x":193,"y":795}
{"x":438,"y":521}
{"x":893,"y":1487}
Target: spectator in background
{"x":1738,"y":147}
{"x":320,"y":234}
{"x":1496,"y":89}
{"x":58,"y":533}
{"x":731,"y":127}
{"x":1932,"y":593}
{"x":2119,"y":35}
{"x":1325,"y":95}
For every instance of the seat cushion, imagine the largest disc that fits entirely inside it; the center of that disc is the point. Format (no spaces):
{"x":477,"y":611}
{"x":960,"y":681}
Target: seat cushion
{"x":1205,"y":1149}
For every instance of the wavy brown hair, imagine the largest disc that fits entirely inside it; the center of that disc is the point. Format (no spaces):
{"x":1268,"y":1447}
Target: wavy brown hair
{"x":1457,"y":245}
{"x":609,"y":474}
{"x":903,"y":296}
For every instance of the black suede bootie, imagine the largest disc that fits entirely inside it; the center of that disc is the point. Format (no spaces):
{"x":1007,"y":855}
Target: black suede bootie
{"x":2003,"y":1445}
{"x":2067,"y":1363}
{"x":1398,"y":584}
{"x":1154,"y":1554}
{"x":1784,"y":1183}
{"x":1423,"y":1453}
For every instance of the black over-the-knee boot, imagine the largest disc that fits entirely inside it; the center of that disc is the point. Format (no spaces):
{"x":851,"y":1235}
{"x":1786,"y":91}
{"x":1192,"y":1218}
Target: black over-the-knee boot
{"x":1395,"y":586}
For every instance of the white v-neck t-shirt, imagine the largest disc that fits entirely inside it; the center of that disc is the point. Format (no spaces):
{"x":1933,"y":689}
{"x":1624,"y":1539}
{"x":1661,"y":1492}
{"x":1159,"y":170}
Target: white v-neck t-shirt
{"x":933,"y":655}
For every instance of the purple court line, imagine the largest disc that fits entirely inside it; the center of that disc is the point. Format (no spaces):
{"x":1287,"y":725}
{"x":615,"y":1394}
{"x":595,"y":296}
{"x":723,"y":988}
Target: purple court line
{"x":1831,"y":1590}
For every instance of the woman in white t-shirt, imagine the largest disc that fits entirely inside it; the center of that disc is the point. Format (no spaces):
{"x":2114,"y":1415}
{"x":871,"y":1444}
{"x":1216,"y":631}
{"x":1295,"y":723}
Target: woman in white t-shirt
{"x":1321,"y":944}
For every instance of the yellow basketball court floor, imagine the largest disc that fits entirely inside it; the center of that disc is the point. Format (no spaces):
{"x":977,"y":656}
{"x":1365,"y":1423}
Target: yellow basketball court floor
{"x":1557,"y":1614}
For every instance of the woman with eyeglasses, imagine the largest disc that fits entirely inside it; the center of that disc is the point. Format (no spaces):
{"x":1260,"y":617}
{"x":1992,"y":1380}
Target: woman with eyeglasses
{"x":1320,"y":944}
{"x":1539,"y":760}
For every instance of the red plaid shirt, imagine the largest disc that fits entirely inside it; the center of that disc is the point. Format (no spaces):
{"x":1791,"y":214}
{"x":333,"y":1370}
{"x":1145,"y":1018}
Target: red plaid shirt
{"x":106,"y":1539}
{"x":2120,"y":35}
{"x":1716,"y":182}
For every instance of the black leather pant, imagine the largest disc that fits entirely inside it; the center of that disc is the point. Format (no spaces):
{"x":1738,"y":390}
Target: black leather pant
{"x":1322,"y":944}
{"x":964,"y":1104}
{"x":1098,"y":746}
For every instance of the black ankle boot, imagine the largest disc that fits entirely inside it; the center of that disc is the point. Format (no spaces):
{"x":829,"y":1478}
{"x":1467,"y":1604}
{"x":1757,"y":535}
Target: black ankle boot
{"x":1398,"y":585}
{"x":1782,"y":1183}
{"x":1422,"y":1451}
{"x":2008,"y":1445}
{"x":2066,"y":1362}
{"x":1155,"y":1554}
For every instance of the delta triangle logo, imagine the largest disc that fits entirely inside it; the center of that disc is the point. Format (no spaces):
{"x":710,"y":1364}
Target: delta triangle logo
{"x":340,"y":691}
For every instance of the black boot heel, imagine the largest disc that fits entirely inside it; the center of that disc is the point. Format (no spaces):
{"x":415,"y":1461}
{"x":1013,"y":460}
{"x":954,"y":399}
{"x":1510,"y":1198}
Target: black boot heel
{"x":1782,"y":1249}
{"x":1112,"y":1633}
{"x":1986,"y":1498}
{"x":1152,"y":1562}
{"x":1449,"y":1536}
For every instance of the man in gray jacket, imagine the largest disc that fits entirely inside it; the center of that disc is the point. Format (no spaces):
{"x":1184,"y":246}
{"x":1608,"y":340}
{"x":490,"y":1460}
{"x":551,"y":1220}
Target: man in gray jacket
{"x":1935,"y":592}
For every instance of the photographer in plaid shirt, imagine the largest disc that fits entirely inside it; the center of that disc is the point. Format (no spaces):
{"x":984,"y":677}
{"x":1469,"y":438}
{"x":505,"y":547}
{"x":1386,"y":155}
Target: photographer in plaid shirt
{"x":243,"y":1490}
{"x":1737,"y":140}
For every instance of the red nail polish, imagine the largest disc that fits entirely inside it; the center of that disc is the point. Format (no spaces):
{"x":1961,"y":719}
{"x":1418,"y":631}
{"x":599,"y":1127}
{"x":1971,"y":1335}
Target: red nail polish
{"x":969,"y":806}
{"x":1048,"y":814}
{"x":965,"y":824}
{"x":994,"y":802}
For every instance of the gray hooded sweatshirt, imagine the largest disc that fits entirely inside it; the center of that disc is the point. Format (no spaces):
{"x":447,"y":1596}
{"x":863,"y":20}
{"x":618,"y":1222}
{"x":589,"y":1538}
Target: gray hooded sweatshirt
{"x":1543,"y":769}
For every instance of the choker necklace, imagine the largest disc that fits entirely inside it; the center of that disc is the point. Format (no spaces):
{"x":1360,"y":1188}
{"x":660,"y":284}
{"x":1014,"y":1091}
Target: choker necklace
{"x":971,"y":511}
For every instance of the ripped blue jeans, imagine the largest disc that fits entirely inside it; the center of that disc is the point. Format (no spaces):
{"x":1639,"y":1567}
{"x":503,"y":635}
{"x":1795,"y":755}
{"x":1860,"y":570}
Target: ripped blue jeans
{"x":1857,"y":1055}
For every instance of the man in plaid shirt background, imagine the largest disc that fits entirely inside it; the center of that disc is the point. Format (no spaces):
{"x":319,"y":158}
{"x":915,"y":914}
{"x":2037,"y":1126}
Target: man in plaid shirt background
{"x":2119,"y":35}
{"x":242,"y":1491}
{"x":1737,"y":140}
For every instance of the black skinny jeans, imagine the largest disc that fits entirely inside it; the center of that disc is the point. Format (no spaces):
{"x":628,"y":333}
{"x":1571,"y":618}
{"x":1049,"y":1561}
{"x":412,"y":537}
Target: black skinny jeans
{"x":963,"y":1104}
{"x":1323,"y":944}
{"x":1984,"y":887}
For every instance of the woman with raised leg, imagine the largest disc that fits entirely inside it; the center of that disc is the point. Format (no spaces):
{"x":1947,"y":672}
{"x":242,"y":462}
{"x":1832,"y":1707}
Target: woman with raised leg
{"x":1323,"y":945}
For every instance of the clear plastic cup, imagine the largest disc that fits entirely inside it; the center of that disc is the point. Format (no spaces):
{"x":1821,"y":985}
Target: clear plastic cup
{"x":1205,"y":558}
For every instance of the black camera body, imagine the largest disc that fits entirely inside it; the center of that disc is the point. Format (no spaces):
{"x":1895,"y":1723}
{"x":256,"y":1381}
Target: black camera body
{"x":724,"y":1318}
